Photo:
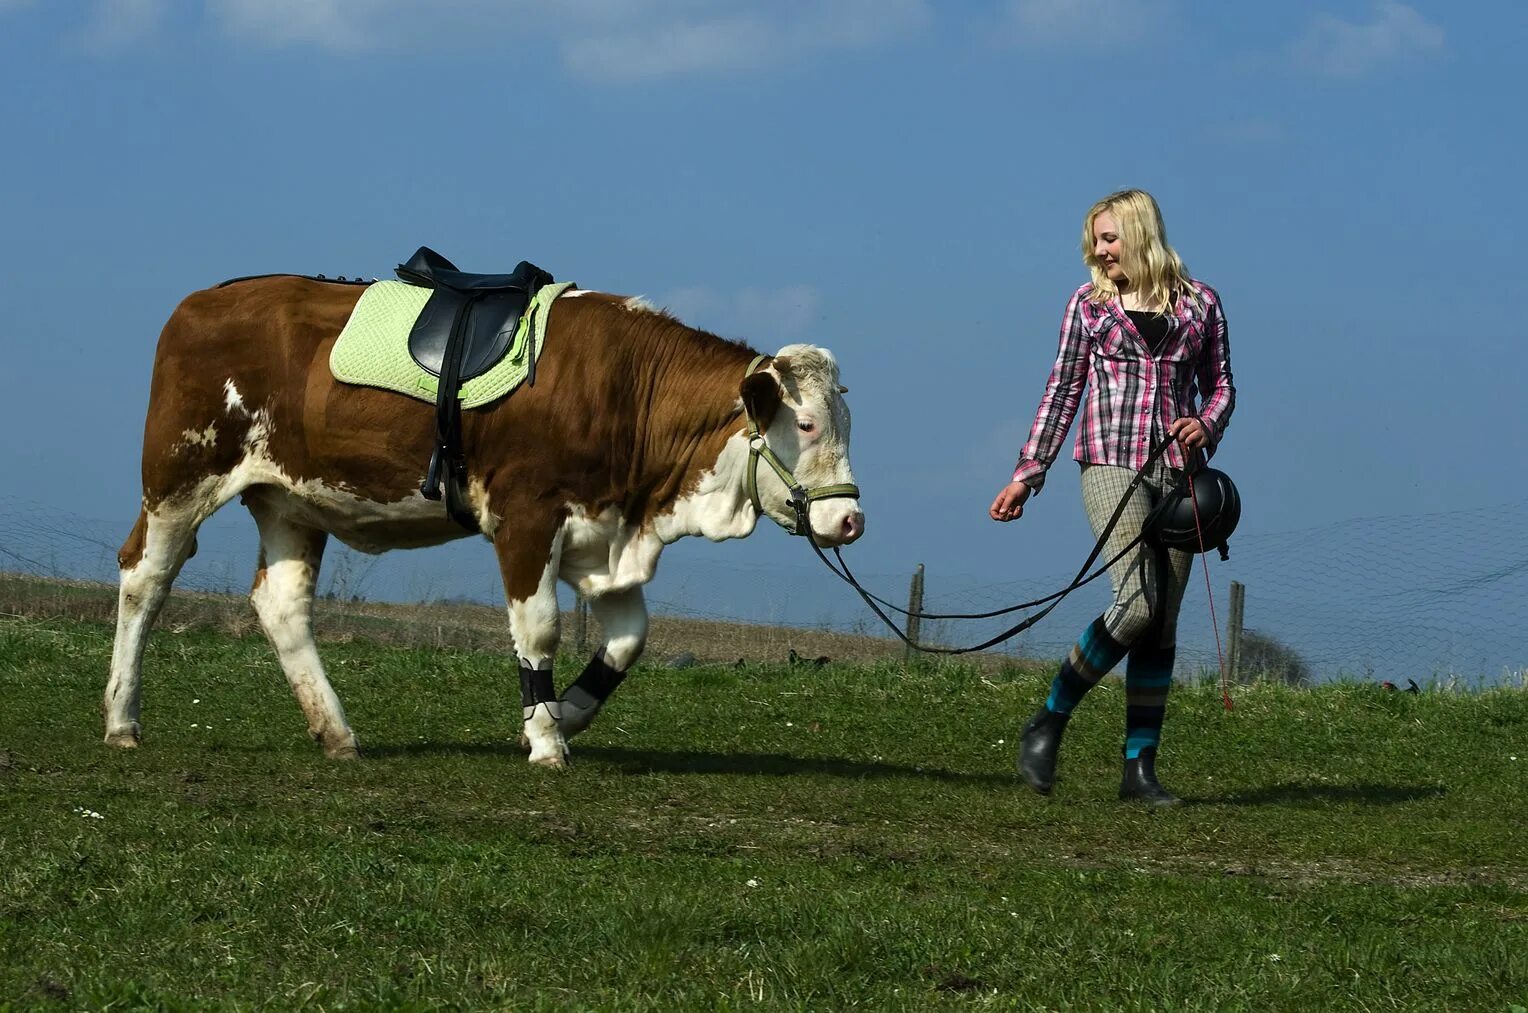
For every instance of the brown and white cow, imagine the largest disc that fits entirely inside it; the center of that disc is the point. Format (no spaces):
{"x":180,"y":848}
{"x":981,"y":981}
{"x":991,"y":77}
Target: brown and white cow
{"x":633,"y":435}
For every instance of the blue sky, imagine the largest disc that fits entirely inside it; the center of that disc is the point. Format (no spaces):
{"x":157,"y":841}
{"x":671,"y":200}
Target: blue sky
{"x":900,"y":180}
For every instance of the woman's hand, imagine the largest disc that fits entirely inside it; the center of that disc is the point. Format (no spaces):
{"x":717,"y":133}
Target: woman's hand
{"x":1190,"y":432}
{"x":1009,"y":504}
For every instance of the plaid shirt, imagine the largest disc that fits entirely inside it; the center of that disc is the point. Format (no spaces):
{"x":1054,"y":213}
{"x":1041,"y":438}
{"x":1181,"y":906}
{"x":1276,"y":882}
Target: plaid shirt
{"x":1133,"y":396}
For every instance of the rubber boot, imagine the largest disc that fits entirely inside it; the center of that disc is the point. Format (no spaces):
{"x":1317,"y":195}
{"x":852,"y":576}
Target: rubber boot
{"x":1140,"y":781}
{"x":1037,"y":749}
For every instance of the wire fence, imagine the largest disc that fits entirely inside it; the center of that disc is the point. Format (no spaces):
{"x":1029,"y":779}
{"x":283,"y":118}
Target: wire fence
{"x":1435,"y":598}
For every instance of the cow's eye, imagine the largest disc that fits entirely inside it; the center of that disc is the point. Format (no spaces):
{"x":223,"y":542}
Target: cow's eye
{"x":806,"y":425}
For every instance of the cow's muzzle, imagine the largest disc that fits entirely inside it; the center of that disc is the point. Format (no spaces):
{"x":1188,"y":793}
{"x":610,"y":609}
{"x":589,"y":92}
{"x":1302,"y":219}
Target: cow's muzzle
{"x":801,"y":498}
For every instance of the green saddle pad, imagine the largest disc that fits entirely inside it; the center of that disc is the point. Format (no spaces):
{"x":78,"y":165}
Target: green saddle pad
{"x":373,"y":348}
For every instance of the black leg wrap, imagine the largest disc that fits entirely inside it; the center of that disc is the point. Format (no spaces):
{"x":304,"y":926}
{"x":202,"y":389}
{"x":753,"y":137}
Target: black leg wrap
{"x":598,"y":679}
{"x":536,"y":686}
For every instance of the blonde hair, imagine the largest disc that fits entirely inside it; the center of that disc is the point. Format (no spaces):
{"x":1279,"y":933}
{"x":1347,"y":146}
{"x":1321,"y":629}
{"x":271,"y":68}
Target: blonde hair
{"x":1154,"y":268}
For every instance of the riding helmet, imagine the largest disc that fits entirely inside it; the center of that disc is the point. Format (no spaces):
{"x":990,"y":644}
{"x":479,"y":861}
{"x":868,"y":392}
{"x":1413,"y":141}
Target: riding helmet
{"x":1171,"y":522}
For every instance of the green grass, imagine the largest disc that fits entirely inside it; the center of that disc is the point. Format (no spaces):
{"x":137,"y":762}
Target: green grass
{"x":765,"y":837}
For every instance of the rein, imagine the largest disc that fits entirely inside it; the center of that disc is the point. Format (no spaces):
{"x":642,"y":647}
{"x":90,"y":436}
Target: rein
{"x":1055,"y":598}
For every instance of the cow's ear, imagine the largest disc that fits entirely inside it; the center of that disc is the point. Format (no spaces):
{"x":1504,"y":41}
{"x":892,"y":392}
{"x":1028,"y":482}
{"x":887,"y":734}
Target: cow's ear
{"x":761,"y":397}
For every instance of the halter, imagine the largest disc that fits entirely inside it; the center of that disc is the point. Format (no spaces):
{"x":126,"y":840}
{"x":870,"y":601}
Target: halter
{"x":800,"y":497}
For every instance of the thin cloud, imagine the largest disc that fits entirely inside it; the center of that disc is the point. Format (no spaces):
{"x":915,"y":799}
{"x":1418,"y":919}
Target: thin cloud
{"x":597,"y":40}
{"x":115,"y":25}
{"x":736,"y":44}
{"x":759,"y":316}
{"x":749,"y":37}
{"x":1050,"y":22}
{"x":1332,"y":47}
{"x":344,"y":25}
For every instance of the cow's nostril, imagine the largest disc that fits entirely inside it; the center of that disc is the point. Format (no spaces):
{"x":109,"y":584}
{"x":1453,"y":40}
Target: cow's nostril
{"x":854,"y":526}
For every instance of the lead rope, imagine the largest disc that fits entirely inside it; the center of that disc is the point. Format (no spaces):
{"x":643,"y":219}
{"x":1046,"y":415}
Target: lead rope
{"x":1225,"y":682}
{"x":1083,"y":577}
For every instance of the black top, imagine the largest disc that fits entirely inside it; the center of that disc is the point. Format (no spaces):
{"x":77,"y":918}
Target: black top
{"x":1154,"y":327}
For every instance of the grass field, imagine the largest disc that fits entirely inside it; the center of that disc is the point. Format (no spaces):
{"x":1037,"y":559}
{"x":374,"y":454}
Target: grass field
{"x":845,"y":837}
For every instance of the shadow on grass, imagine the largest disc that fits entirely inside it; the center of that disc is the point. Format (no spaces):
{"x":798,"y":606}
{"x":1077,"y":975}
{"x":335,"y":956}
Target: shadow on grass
{"x":659,"y":761}
{"x":1325,"y":794}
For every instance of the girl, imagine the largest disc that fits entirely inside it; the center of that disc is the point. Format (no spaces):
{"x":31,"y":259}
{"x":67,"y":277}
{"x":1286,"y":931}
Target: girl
{"x":1148,"y":342}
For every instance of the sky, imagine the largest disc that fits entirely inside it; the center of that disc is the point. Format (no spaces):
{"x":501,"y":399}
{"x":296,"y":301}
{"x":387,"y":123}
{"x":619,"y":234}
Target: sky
{"x":902,"y":181}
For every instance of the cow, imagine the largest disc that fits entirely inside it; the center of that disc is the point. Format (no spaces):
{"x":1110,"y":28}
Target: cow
{"x":637,"y":431}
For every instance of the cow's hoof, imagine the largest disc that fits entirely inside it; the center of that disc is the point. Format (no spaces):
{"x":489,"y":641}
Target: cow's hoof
{"x":123,"y":740}
{"x":344,"y":749}
{"x":340,"y":747}
{"x":553,"y":761}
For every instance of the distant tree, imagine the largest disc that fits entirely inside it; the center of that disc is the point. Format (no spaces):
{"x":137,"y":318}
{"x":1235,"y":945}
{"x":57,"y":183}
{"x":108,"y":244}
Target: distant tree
{"x":1264,"y":657}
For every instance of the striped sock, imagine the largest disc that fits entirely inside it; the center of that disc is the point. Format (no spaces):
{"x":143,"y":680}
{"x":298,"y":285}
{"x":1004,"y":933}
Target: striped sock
{"x":1148,"y":678}
{"x":1094,"y":654}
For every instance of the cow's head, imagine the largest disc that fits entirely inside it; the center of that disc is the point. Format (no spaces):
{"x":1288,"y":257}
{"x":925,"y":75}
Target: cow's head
{"x":797,"y":403}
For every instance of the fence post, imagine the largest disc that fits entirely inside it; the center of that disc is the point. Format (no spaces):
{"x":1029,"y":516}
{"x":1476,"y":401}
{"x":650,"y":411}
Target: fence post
{"x":581,"y":624}
{"x":1234,"y":633}
{"x":914,"y":605}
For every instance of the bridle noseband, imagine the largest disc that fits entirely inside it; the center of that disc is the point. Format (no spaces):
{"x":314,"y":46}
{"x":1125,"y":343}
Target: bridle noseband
{"x":801,"y":497}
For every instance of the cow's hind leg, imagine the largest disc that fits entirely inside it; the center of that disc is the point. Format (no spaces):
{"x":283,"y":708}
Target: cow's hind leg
{"x":150,"y":559}
{"x":283,"y":597}
{"x":530,"y":589}
{"x":623,"y":618}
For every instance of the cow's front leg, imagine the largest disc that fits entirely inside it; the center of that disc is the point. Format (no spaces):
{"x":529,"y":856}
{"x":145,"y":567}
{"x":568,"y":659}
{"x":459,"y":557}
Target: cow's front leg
{"x":530,"y":588}
{"x":623,"y":618}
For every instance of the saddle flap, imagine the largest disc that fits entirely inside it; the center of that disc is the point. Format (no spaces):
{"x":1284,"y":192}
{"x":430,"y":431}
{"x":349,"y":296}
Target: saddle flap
{"x":488,"y":325}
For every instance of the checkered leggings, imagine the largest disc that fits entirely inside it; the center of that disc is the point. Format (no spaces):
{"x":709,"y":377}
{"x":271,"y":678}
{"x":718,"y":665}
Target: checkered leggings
{"x":1148,"y":581}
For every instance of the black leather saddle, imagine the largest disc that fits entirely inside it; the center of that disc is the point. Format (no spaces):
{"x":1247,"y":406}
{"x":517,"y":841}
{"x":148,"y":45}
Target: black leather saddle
{"x":466,"y":327}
